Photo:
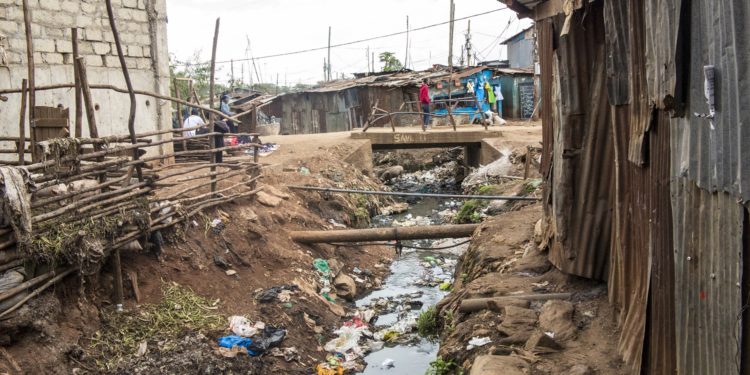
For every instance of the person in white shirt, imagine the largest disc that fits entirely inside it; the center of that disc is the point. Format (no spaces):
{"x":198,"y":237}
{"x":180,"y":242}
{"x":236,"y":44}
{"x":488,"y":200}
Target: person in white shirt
{"x":499,"y":100}
{"x":191,"y":122}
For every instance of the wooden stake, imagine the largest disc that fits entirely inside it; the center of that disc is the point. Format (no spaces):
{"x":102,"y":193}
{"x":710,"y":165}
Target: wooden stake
{"x":30,"y":62}
{"x":180,"y":119}
{"x":129,"y":84}
{"x":87,"y":100}
{"x":78,"y":131}
{"x":211,"y":93}
{"x":134,"y":283}
{"x":22,"y":125}
{"x":117,"y":270}
{"x":528,"y":161}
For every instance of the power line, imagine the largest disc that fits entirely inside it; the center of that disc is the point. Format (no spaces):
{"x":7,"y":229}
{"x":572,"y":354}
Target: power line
{"x":349,"y":43}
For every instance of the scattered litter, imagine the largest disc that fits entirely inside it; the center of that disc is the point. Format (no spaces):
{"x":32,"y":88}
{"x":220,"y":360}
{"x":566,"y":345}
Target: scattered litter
{"x":142,"y":349}
{"x":550,"y":334}
{"x":289,"y":354}
{"x":476,"y":342}
{"x":231,"y":342}
{"x":446,"y":286}
{"x":240,"y":326}
{"x":326,"y":369}
{"x":357,"y":271}
{"x":270,"y":337}
{"x":388,"y":363}
{"x":217,"y":226}
{"x":221,"y":262}
{"x":230,"y":272}
{"x":336,"y":224}
{"x":589,"y":314}
{"x":282,"y":293}
{"x":304,"y":171}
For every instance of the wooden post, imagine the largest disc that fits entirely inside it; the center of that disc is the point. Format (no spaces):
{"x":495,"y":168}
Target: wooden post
{"x":129,"y":84}
{"x":22,"y":124}
{"x":180,"y":119}
{"x":78,"y":130}
{"x":116,"y":264}
{"x":89,"y":103}
{"x":528,"y":161}
{"x":211,"y":93}
{"x":30,"y":62}
{"x":385,"y":234}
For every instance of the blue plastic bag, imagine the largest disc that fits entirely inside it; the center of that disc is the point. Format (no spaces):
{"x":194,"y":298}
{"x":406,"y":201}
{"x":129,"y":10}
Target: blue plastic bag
{"x":239,"y":341}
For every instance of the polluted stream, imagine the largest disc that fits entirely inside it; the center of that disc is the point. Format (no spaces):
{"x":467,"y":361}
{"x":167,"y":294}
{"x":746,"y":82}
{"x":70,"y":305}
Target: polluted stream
{"x":419,"y":278}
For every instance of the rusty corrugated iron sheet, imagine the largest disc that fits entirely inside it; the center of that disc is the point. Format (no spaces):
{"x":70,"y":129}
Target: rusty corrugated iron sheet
{"x":544,"y":40}
{"x":708,"y":231}
{"x":583,"y":156}
{"x":718,"y":159}
{"x":662,"y":21}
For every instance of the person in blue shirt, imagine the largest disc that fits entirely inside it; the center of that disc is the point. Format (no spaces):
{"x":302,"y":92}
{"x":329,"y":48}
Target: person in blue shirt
{"x":224,"y":108}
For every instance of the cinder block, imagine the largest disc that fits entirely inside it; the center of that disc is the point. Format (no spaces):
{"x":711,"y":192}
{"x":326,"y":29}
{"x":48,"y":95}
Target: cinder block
{"x":50,"y":4}
{"x":143,"y":39}
{"x":64,"y":46}
{"x":70,"y":6}
{"x":141,"y":4}
{"x":89,"y":8}
{"x":144,"y":64}
{"x":84,"y":21}
{"x":112,"y":61}
{"x":101,"y":48}
{"x":147,"y":51}
{"x":9,"y":27}
{"x":44,"y":45}
{"x":131,"y":62}
{"x":15,"y":58}
{"x":52,"y":58}
{"x":140,"y":16}
{"x":130,"y":3}
{"x":17,"y":44}
{"x":93,"y":34}
{"x":93,"y":60}
{"x":135,"y":51}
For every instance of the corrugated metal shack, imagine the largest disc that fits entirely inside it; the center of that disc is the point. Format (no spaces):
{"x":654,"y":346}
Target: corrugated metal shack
{"x":643,"y":190}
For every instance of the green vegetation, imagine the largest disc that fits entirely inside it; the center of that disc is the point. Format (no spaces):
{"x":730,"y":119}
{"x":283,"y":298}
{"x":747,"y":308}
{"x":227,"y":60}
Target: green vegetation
{"x":531,"y":186}
{"x":427,"y":324}
{"x":179,"y":311}
{"x":443,"y":367}
{"x":390,"y":62}
{"x":470,"y":212}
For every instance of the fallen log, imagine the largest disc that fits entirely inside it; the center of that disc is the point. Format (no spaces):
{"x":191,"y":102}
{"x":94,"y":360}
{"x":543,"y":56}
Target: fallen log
{"x":478,"y":304}
{"x":385,"y":234}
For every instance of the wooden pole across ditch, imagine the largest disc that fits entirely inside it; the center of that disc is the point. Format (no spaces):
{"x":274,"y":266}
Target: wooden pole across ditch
{"x":385,"y":234}
{"x":420,"y":195}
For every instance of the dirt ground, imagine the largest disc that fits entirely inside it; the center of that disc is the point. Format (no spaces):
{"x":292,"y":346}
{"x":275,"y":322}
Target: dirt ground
{"x":252,"y":243}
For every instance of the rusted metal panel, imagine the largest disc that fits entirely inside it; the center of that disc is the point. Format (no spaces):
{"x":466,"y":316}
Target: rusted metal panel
{"x":708,"y":230}
{"x":583,"y":170}
{"x":718,"y":159}
{"x":641,"y":272}
{"x":544,"y":39}
{"x":662,"y":21}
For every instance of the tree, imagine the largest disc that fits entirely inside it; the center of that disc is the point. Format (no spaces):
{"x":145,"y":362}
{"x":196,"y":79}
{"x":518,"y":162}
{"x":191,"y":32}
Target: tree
{"x":390,"y":62}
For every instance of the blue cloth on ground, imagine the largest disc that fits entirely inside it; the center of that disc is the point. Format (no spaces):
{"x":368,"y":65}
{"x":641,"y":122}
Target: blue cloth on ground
{"x":232,"y":341}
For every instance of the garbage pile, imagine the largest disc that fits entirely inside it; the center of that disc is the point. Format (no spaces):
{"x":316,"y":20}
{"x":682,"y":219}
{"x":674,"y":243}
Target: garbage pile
{"x":252,"y":339}
{"x":362,"y":335}
{"x":438,"y":271}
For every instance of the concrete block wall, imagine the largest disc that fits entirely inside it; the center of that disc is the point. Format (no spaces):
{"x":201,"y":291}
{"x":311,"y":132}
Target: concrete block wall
{"x":143,"y":33}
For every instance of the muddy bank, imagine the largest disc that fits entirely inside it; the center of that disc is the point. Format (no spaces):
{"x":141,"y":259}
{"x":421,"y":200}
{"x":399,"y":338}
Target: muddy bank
{"x":224,"y":260}
{"x":514,"y":335}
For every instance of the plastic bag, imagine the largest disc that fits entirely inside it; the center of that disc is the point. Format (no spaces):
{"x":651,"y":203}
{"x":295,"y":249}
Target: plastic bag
{"x":322,"y":266}
{"x":240,"y":326}
{"x":230,"y":342}
{"x":271,"y":337}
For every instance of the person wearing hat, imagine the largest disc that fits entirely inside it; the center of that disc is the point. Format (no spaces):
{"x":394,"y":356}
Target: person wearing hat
{"x":224,"y":108}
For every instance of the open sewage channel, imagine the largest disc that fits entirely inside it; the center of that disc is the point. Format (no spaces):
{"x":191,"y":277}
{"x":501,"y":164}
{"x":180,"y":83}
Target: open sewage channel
{"x":419,"y":278}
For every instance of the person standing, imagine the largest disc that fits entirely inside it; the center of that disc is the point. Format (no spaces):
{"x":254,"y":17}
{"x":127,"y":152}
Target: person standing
{"x":499,"y":100}
{"x":192,"y":121}
{"x":424,"y":99}
{"x":224,"y":108}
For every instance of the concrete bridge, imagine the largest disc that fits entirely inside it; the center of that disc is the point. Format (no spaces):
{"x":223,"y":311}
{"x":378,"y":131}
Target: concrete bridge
{"x":472,"y":138}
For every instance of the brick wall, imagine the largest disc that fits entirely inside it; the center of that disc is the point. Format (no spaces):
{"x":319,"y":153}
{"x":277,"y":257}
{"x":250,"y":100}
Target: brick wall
{"x":142,"y":27}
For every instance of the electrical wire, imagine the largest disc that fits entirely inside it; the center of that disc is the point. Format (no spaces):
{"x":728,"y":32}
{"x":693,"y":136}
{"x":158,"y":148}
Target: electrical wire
{"x":347,"y":43}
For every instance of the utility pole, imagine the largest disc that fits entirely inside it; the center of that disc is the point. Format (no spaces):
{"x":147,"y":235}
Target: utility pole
{"x":406,"y":56}
{"x":277,"y":83}
{"x":468,"y":46}
{"x":329,"y":53}
{"x":231,"y":65}
{"x":325,"y":70}
{"x":367,"y":58}
{"x":450,"y":35}
{"x":373,"y":62}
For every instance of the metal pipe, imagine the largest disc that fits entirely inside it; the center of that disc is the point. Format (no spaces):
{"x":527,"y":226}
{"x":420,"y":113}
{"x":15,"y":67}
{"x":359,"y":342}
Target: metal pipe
{"x":385,"y":234}
{"x":422,"y":195}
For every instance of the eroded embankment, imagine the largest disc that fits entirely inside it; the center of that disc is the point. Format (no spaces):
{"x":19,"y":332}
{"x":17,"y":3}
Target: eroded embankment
{"x":523,"y":332}
{"x":224,"y":262}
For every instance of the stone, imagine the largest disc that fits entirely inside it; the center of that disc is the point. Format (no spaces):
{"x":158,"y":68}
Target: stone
{"x":346,"y":288}
{"x":540,"y":342}
{"x":580,"y":370}
{"x":499,"y":364}
{"x":557,"y":317}
{"x":518,"y":324}
{"x":538,"y":233}
{"x":396,"y":208}
{"x":276,"y":192}
{"x":391,"y":172}
{"x":44,"y":45}
{"x":335,"y":267}
{"x":267,"y":199}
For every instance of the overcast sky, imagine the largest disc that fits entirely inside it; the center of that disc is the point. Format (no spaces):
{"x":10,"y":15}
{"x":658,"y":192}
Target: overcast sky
{"x":279,"y":26}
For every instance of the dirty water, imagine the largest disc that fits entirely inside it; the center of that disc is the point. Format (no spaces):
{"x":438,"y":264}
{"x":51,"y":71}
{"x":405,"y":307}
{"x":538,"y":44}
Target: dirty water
{"x":410,"y":275}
